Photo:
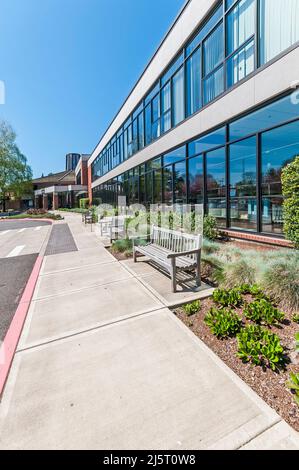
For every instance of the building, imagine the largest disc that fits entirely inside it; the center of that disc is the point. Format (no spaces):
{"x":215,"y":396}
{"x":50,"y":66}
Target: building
{"x":71,"y":161}
{"x":63,"y":189}
{"x":212,"y":119}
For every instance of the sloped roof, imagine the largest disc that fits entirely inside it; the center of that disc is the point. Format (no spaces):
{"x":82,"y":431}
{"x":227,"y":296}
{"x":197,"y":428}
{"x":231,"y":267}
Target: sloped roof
{"x":64,"y":177}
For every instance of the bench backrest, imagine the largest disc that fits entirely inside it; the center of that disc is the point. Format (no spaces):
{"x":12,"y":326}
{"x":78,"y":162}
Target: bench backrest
{"x":176,"y":242}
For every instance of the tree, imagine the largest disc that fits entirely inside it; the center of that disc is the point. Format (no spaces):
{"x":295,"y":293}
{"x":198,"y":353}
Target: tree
{"x":290,"y":190}
{"x":15,"y":173}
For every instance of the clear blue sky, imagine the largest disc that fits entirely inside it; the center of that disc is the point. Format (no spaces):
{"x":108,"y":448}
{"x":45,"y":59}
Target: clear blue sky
{"x":69,"y":64}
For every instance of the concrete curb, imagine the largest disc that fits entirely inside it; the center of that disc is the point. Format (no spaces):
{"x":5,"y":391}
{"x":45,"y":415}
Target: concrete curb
{"x":13,"y":334}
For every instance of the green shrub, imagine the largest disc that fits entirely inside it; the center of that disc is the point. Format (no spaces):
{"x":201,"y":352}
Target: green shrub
{"x":223,"y":322}
{"x":261,"y":347}
{"x":296,"y":318}
{"x":192,"y":308}
{"x":293,"y":385}
{"x":84,"y":203}
{"x":263,"y":312}
{"x":239,"y":271}
{"x":227,"y":298}
{"x":122,"y":246}
{"x":290,"y":190}
{"x":253,"y":290}
{"x":297,"y":341}
{"x":210,"y":247}
{"x":280,"y":281}
{"x":210,"y":230}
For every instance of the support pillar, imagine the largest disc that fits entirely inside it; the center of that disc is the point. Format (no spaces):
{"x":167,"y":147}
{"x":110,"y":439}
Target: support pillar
{"x":45,"y":202}
{"x":55,"y":202}
{"x":36,"y":202}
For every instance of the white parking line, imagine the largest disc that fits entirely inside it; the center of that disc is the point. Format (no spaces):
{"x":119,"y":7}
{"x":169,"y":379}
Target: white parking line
{"x":3,"y":233}
{"x":22,"y":230}
{"x":37,"y":228}
{"x":16,"y":251}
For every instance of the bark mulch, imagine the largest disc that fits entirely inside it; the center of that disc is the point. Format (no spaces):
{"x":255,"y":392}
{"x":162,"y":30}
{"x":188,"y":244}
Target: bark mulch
{"x":268,"y":384}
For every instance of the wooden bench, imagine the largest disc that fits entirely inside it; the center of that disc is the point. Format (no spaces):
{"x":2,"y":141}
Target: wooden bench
{"x":173,"y":251}
{"x":114,"y":227}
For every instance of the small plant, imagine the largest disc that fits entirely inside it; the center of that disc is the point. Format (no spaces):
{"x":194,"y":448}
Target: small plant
{"x":227,"y":298}
{"x":293,"y":385}
{"x":254,"y":290}
{"x":122,"y":246}
{"x":192,"y":308}
{"x":261,"y":347}
{"x":297,"y":341}
{"x":223,"y":322}
{"x":263,"y":312}
{"x":296,"y":318}
{"x":210,"y":230}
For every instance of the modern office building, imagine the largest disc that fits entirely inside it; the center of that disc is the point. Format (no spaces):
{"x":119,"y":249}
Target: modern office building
{"x":214,"y":117}
{"x":71,"y":161}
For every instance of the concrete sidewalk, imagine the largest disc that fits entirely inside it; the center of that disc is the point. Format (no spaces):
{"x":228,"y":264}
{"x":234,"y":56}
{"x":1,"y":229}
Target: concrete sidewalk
{"x":103,"y":364}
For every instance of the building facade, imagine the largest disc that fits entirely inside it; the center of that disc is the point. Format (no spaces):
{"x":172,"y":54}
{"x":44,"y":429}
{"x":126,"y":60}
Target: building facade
{"x":213,"y":119}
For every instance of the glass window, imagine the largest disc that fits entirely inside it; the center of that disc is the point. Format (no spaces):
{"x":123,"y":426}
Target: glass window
{"x":196,"y":180}
{"x":172,"y":69}
{"x":142,"y":198}
{"x":213,"y":50}
{"x":178,"y":92}
{"x":243,"y":197}
{"x":279,"y":147}
{"x":158,"y":186}
{"x":148,"y":125}
{"x":193,"y":82}
{"x":135,"y":137}
{"x":179,"y":181}
{"x":140,"y":131}
{"x":175,"y":155}
{"x":240,"y":24}
{"x":207,"y":142}
{"x":279,"y":27}
{"x":213,"y":85}
{"x":149,"y":187}
{"x":167,"y":185}
{"x":156,"y":117}
{"x":152,"y":93}
{"x":166,"y":107}
{"x":204,"y":30}
{"x":269,"y":116}
{"x":240,"y":64}
{"x":216,"y":185}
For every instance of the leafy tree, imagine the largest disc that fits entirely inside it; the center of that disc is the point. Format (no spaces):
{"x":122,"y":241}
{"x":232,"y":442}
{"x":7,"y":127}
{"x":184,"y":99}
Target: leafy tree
{"x":15,"y":173}
{"x":290,"y":189}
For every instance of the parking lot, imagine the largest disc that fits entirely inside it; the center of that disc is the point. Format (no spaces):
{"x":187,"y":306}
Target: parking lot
{"x":20,"y":243}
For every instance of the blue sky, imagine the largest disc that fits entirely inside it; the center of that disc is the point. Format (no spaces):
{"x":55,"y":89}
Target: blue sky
{"x":68,"y":65}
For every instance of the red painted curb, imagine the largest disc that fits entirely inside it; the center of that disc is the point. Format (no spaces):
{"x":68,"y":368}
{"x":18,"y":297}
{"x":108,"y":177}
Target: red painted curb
{"x":9,"y":345}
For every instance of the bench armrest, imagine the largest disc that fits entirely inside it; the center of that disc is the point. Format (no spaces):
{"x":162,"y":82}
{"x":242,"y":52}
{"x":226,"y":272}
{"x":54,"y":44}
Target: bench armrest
{"x":183,"y":253}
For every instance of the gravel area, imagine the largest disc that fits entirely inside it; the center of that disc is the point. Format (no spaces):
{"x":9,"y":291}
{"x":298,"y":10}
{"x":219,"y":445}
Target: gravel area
{"x":268,"y":384}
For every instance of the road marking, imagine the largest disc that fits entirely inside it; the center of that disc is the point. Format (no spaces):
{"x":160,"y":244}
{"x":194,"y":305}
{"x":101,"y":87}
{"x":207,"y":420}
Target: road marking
{"x":37,"y":228}
{"x":16,"y":251}
{"x":3,"y":233}
{"x":22,"y":230}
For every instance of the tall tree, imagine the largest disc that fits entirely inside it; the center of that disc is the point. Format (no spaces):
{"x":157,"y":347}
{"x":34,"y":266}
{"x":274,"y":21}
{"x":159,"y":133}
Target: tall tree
{"x":15,"y":173}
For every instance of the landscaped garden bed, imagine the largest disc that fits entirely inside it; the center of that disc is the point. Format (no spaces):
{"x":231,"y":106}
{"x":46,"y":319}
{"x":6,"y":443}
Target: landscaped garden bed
{"x":255,"y":339}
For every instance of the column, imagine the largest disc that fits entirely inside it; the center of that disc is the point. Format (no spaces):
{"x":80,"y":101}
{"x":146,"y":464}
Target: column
{"x":55,"y":202}
{"x":45,"y":202}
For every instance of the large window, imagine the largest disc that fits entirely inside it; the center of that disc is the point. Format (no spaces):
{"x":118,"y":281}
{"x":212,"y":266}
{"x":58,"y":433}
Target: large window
{"x":243,"y":190}
{"x":279,"y":147}
{"x":216,"y":185}
{"x":193,"y":82}
{"x":213,"y":68}
{"x":178,"y":97}
{"x":180,"y":183}
{"x":167,"y":185}
{"x":196,"y":180}
{"x":279,"y":27}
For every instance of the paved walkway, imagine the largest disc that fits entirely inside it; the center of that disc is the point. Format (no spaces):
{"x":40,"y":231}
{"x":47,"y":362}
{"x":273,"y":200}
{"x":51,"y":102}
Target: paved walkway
{"x":103,"y":364}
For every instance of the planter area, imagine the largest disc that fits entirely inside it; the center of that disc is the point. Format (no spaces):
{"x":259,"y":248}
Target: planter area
{"x":270,"y":379}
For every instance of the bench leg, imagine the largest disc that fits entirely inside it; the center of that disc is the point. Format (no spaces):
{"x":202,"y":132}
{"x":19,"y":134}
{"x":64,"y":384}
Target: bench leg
{"x":198,"y":273}
{"x":173,"y":275}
